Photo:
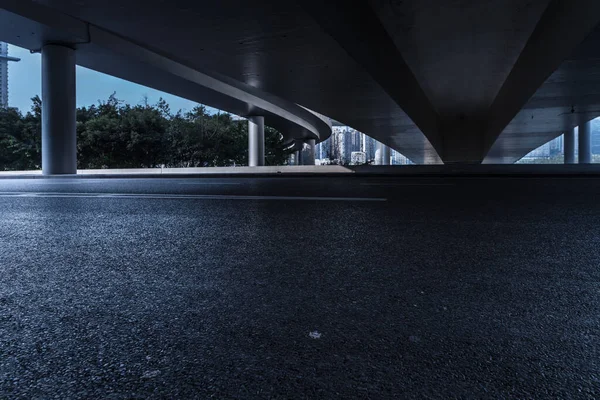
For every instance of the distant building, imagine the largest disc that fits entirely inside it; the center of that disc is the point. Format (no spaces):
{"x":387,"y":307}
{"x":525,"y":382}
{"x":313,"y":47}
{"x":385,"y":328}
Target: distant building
{"x":343,"y":139}
{"x":3,"y":74}
{"x":4,"y":60}
{"x":369,"y":147}
{"x":344,"y":142}
{"x":542,"y":151}
{"x":556,"y":146}
{"x":343,"y":149}
{"x":399,"y":158}
{"x":358,"y":158}
{"x":596,"y":136}
{"x":546,"y":151}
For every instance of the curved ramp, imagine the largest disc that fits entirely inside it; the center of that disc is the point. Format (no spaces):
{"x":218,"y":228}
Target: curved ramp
{"x":30,"y":25}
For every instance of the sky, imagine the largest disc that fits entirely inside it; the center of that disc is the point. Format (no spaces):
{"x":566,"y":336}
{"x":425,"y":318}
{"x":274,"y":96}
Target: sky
{"x":24,"y":82}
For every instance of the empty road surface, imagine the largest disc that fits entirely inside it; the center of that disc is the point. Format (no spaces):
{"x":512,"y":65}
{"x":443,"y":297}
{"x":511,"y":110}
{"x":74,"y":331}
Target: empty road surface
{"x":300,"y":288}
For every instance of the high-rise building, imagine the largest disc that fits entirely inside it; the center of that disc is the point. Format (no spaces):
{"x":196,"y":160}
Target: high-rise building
{"x":370,"y":145}
{"x":3,"y":74}
{"x":4,"y":59}
{"x":398,"y":158}
{"x":344,"y":141}
{"x":596,"y":136}
{"x":556,"y":146}
{"x":341,"y":147}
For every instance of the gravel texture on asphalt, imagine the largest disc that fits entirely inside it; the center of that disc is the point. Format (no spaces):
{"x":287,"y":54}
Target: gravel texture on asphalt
{"x":452,"y":288}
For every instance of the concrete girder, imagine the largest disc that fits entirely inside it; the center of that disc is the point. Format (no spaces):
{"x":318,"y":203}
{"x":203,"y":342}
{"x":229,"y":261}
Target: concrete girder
{"x":375,"y":51}
{"x":31,"y":25}
{"x":463,"y":61}
{"x":563,"y":26}
{"x":465,"y":136}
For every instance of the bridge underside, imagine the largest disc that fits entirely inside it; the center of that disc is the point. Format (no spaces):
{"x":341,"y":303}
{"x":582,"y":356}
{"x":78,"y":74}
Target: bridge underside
{"x":439,"y":81}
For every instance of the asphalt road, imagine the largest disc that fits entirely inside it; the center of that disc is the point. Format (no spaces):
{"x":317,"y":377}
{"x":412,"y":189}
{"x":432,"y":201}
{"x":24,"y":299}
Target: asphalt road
{"x":300,"y":288}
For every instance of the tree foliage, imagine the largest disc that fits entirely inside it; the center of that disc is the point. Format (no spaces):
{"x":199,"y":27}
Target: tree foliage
{"x":20,"y":138}
{"x":112,"y":134}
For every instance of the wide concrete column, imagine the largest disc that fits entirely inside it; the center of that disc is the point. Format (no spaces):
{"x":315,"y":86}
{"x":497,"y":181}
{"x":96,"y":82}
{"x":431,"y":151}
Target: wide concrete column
{"x":569,"y":146}
{"x":308,"y":152}
{"x":256,"y":141}
{"x":59,"y":136}
{"x":382,"y":154}
{"x":585,"y":143}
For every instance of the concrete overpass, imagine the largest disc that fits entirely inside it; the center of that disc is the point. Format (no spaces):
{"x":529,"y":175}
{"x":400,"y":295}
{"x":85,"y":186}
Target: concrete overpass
{"x":374,"y":283}
{"x":65,"y":41}
{"x":439,"y":81}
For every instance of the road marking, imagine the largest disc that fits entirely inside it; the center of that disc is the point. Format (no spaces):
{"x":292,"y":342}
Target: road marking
{"x":183,"y":196}
{"x":407,"y":184}
{"x":54,"y":182}
{"x":208,"y":183}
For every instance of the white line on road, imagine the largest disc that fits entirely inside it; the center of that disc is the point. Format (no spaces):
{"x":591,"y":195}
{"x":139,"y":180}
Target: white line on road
{"x":183,"y":196}
{"x":40,"y":182}
{"x":208,"y":183}
{"x":407,"y":184}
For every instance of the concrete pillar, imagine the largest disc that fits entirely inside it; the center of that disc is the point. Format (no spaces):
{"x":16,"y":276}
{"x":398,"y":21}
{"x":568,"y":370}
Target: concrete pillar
{"x":256,"y":141}
{"x":569,"y":146}
{"x":585,"y":143}
{"x":308,"y":152}
{"x":59,"y":136}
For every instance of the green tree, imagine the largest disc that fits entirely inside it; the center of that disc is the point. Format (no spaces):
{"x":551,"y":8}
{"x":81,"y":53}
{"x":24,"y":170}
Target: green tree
{"x":112,"y":134}
{"x":20,"y":138}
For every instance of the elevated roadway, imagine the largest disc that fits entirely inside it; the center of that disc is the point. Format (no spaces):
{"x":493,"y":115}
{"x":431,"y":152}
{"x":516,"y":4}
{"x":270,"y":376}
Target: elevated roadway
{"x":31,"y":25}
{"x":439,"y":81}
{"x":456,"y":82}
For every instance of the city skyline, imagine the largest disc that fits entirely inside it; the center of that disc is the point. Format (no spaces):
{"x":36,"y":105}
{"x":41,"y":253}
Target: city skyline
{"x":345,"y":142}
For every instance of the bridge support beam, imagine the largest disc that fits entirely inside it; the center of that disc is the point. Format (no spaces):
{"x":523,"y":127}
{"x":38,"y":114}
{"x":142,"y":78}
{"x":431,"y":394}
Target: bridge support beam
{"x":59,"y":135}
{"x":585,"y":143}
{"x":569,"y":146}
{"x":256,"y":141}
